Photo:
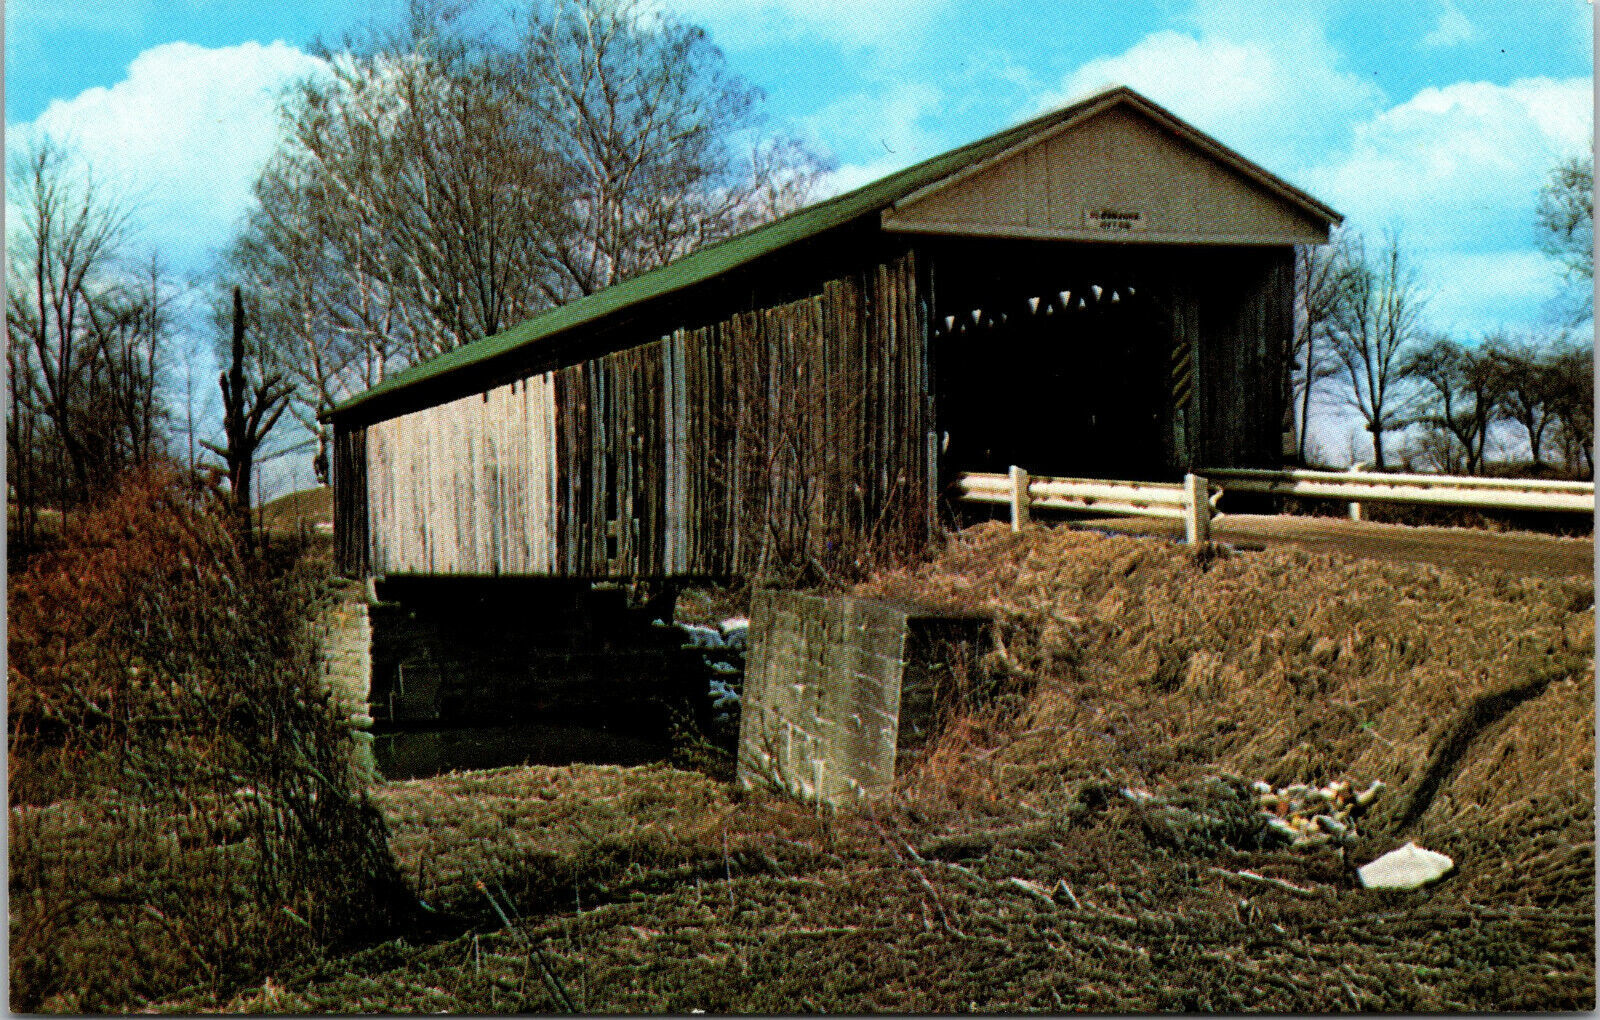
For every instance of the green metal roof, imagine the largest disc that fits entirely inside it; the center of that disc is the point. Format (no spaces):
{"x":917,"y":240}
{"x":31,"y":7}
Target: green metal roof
{"x":716,"y":259}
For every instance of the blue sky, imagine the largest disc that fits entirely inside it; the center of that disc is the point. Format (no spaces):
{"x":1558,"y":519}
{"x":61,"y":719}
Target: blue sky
{"x":1439,"y":118}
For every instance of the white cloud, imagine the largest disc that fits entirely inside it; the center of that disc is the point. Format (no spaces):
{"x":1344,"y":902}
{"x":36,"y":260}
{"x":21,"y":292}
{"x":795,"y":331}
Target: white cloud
{"x":880,"y":23}
{"x":1274,"y":88}
{"x":1458,"y":163}
{"x":182,"y":136}
{"x":1453,"y":29}
{"x":1457,"y":170}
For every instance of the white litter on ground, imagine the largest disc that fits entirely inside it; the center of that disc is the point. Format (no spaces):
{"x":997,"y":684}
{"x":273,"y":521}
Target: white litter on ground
{"x":1409,"y":867}
{"x":1305,"y":814}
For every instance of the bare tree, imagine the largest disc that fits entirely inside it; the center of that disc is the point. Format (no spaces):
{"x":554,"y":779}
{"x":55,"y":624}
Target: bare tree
{"x":396,"y":220}
{"x":1317,"y":269}
{"x":784,"y":175}
{"x":61,"y":266}
{"x":1463,"y":390}
{"x":252,"y":403}
{"x":1571,"y":399}
{"x":137,"y":327}
{"x":438,"y":186}
{"x":24,"y":439}
{"x":1375,"y":321}
{"x":1525,"y":380}
{"x":86,"y":338}
{"x":644,"y":120}
{"x":393,"y":219}
{"x":192,"y":410}
{"x":1565,"y":218}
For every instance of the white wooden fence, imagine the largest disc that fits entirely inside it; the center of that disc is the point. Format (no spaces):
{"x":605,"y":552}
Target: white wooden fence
{"x":1191,"y":501}
{"x":1194,"y":500}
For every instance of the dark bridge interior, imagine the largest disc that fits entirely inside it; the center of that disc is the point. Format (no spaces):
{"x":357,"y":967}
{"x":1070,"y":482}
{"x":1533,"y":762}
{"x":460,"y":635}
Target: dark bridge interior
{"x":1052,"y":358}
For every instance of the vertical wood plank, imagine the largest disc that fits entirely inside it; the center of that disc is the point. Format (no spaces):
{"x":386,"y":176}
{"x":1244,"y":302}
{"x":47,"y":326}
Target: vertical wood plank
{"x":708,"y":450}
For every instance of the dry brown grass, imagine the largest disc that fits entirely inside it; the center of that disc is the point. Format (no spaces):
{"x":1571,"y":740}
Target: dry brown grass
{"x":1153,"y":667}
{"x":548,"y":835}
{"x":892,"y":911}
{"x":1011,"y":873}
{"x":182,"y":810}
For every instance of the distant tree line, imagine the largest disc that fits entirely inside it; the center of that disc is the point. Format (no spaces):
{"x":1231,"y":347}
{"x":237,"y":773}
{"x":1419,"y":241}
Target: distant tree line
{"x":1363,"y":341}
{"x":87,"y":335}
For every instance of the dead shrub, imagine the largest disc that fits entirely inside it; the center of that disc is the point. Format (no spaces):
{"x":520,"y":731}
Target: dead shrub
{"x":181,"y":805}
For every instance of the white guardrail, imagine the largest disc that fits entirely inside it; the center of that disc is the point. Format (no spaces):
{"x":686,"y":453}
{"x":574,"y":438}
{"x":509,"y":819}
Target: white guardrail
{"x":1194,"y":500}
{"x":1190,"y":502}
{"x":1357,"y":486}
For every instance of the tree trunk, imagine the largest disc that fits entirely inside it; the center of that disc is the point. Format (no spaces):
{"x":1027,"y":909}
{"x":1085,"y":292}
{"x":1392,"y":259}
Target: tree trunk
{"x":240,"y":453}
{"x":241,"y":495}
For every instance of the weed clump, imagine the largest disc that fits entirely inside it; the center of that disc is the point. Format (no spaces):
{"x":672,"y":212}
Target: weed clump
{"x":182,"y":812}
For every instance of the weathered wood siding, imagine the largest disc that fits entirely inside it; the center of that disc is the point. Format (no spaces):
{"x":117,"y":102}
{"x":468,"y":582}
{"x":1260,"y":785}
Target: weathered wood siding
{"x":797,"y":430}
{"x":350,"y":519}
{"x":466,"y":487}
{"x":1246,"y":319}
{"x":1119,"y":161}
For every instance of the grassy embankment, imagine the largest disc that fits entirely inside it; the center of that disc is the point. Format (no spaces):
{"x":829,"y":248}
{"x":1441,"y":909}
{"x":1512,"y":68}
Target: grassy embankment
{"x":1013,"y":872}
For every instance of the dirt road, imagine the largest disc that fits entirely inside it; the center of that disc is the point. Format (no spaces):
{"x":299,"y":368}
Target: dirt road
{"x":1518,"y":552}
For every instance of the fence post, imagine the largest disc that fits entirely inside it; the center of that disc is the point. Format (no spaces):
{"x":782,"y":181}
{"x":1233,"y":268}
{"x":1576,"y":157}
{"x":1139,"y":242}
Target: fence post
{"x":1019,"y":498}
{"x":1196,"y":509}
{"x":1356,"y":513}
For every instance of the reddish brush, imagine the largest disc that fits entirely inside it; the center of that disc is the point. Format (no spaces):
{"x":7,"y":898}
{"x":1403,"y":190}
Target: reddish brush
{"x":181,"y":803}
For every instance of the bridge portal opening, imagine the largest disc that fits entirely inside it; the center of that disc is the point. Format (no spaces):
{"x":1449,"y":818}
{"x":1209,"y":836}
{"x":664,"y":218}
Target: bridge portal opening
{"x":1056,"y":358}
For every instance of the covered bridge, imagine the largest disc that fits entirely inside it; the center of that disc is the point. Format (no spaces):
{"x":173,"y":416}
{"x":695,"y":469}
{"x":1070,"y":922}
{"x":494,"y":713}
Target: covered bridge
{"x":1103,"y":291}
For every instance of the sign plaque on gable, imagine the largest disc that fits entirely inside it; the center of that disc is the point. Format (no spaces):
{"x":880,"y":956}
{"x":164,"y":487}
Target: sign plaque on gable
{"x":1115,"y":221}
